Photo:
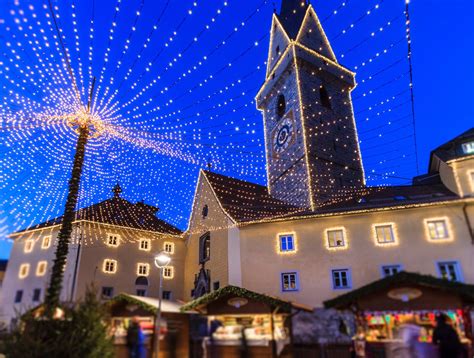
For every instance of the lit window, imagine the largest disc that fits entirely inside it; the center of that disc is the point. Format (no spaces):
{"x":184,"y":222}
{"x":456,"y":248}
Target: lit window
{"x":36,"y":294}
{"x":145,"y":244}
{"x":110,"y":266}
{"x":287,"y":242}
{"x":341,"y":279}
{"x":18,"y":296}
{"x":169,"y":247}
{"x":29,"y":245}
{"x":384,"y":234}
{"x":390,"y":270}
{"x":471,"y":176}
{"x":468,"y":148}
{"x":141,"y":292}
{"x":143,"y":269}
{"x":113,"y":240}
{"x":107,"y":292}
{"x":24,"y":270}
{"x":437,"y":229}
{"x":449,"y":270}
{"x":168,"y":272}
{"x":289,"y":281}
{"x":335,"y":238}
{"x":41,"y":268}
{"x":46,"y":243}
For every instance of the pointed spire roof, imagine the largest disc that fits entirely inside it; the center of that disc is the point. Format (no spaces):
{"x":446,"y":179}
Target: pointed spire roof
{"x":291,"y":15}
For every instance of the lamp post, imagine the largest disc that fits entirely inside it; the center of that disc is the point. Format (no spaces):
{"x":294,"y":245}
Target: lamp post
{"x":161,"y":261}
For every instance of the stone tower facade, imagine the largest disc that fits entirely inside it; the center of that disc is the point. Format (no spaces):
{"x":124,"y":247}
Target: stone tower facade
{"x":312,"y":148}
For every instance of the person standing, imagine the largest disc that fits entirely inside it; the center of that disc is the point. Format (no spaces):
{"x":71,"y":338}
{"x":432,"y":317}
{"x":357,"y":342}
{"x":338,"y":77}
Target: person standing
{"x":446,"y":338}
{"x":135,"y":339}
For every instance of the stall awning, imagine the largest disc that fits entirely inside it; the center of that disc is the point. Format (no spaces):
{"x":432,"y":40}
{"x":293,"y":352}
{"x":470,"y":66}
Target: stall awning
{"x":403,"y":289}
{"x":237,"y":297}
{"x":147,"y":303}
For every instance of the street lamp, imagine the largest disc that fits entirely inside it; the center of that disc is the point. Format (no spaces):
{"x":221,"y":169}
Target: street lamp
{"x":161,"y":261}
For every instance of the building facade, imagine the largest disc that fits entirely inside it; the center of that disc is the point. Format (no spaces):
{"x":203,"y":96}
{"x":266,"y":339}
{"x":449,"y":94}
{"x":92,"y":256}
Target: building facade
{"x":112,"y":248}
{"x":315,"y":231}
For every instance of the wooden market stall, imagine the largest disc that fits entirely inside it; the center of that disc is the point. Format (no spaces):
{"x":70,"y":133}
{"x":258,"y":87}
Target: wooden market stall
{"x":381,"y":307}
{"x":242,"y":322}
{"x":174,"y":332}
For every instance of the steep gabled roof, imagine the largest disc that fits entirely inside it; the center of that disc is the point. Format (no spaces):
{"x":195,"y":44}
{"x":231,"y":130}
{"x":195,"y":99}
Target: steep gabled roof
{"x":233,"y":291}
{"x":291,"y":16}
{"x":120,"y":212}
{"x":247,"y":202}
{"x":402,"y":278}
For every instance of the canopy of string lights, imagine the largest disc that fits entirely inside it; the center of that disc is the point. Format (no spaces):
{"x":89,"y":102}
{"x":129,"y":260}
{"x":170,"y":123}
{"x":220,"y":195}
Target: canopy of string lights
{"x":174,"y":90}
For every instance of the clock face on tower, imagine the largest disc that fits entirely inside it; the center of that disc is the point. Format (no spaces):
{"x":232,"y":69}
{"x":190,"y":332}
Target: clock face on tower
{"x":283,"y":134}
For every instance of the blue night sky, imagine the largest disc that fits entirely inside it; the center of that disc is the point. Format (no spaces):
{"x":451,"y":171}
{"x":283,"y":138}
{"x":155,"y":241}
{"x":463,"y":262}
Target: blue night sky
{"x":176,"y":90}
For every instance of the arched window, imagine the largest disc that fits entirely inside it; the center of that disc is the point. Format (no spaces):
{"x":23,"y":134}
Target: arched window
{"x":324,"y":97}
{"x":281,"y":106}
{"x":205,"y":211}
{"x":204,"y":247}
{"x":141,"y":281}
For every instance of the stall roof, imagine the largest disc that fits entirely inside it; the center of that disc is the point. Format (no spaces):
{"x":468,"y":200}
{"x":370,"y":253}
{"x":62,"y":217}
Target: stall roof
{"x":148,"y":303}
{"x":464,"y":291}
{"x":234,"y":291}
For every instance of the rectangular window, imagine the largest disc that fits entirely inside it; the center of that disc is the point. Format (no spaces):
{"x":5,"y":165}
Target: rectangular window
{"x":468,"y":148}
{"x":24,"y":270}
{"x":289,"y":281}
{"x":141,"y":292}
{"x":113,"y":240}
{"x":46,"y":242}
{"x":29,"y":245}
{"x":390,"y":270}
{"x":166,"y":295}
{"x":110,"y":266}
{"x":449,"y":270}
{"x":169,"y":247}
{"x":341,"y":279}
{"x":36,"y":294}
{"x":384,"y":234}
{"x":204,"y":247}
{"x":335,"y":238}
{"x":168,"y":272}
{"x":287,"y":242}
{"x":437,"y":229}
{"x":18,"y":296}
{"x":216,"y":285}
{"x":143,"y":269}
{"x":145,"y":244}
{"x":107,"y":292}
{"x":41,"y":268}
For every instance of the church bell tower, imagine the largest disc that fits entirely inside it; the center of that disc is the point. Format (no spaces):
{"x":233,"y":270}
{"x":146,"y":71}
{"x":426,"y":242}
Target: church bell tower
{"x":311,"y":142}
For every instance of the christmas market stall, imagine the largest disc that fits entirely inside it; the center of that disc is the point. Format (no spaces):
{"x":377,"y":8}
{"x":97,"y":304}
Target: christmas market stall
{"x":174,"y":332}
{"x":383,"y":306}
{"x":245,"y":322}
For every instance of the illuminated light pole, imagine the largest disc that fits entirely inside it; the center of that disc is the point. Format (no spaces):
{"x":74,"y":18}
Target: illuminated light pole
{"x":161,"y":261}
{"x":83,"y":122}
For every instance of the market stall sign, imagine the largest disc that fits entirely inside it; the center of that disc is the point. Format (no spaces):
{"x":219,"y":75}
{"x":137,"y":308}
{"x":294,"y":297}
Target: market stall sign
{"x":404,"y":294}
{"x":237,"y":302}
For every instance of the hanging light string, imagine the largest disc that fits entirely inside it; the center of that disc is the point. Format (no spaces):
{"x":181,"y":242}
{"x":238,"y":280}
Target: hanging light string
{"x":410,"y":65}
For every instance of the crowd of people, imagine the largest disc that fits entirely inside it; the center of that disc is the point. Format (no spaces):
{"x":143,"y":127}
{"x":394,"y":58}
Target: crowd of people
{"x":445,"y":342}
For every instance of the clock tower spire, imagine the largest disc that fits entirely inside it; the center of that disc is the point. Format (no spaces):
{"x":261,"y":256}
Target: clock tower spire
{"x":311,"y":142}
